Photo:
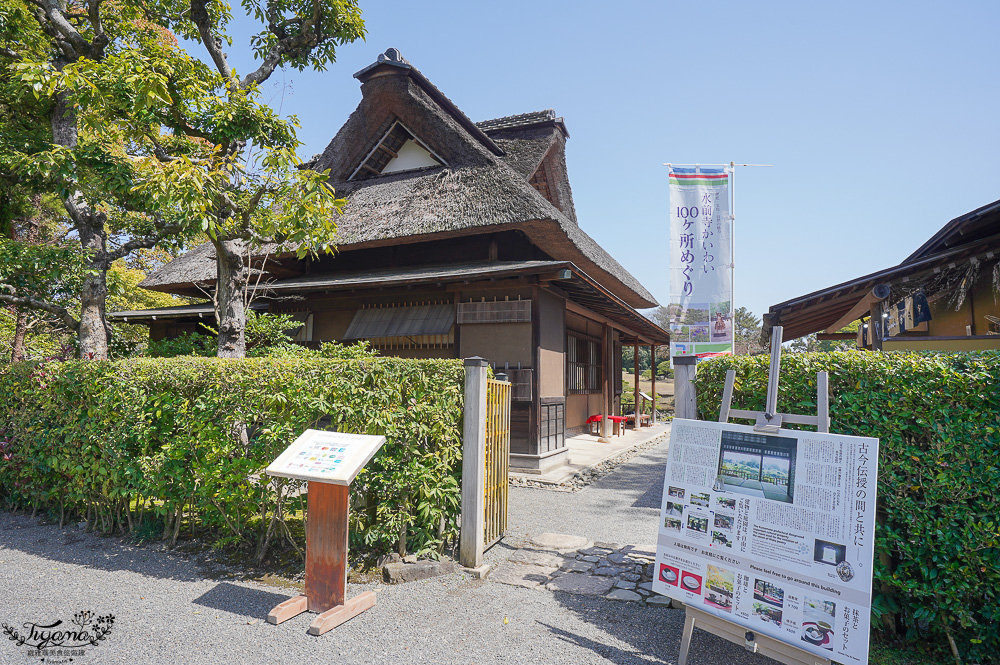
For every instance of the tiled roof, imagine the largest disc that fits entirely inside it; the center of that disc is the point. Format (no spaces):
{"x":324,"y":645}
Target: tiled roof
{"x":520,"y":120}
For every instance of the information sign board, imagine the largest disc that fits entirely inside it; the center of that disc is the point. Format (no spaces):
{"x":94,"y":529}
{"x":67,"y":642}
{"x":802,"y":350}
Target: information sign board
{"x":326,"y":457}
{"x":772,"y":532}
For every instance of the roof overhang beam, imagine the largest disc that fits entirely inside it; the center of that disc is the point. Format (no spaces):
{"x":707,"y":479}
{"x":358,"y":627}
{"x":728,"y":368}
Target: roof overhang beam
{"x":863,"y":306}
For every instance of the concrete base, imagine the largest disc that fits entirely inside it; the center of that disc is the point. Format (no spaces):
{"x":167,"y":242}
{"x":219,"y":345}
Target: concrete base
{"x":477,"y":573}
{"x":538,"y":464}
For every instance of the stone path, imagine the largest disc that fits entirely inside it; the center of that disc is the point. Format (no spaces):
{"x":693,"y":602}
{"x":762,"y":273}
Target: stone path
{"x":572,"y":564}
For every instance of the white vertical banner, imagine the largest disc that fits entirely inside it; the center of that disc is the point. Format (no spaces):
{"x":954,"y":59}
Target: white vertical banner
{"x":701,"y":278}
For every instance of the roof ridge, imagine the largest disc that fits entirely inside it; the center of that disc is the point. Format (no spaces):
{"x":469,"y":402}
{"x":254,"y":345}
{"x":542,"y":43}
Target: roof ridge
{"x":393,"y":58}
{"x":519,"y":120}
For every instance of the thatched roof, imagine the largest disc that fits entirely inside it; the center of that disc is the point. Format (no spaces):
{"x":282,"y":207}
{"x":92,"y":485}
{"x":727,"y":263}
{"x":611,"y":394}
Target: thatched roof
{"x":482,"y":188}
{"x":972,"y":236}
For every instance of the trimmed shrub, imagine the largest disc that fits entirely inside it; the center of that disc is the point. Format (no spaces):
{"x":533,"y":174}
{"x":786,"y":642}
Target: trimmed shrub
{"x":190,"y":437}
{"x":937,"y":417}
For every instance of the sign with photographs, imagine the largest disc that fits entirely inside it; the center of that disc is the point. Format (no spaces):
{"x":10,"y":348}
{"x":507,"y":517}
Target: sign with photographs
{"x":701,"y":272}
{"x":326,"y":457}
{"x":772,"y":532}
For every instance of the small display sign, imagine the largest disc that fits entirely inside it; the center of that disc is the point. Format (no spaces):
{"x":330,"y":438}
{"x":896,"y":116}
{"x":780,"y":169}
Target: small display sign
{"x":326,"y":457}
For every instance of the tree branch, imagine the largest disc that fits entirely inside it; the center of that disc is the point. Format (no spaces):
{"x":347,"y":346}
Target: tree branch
{"x":6,"y":52}
{"x":57,"y":19}
{"x":201,"y":19}
{"x":34,"y":303}
{"x":301,"y":43}
{"x":100,"y":40}
{"x":144,"y":242}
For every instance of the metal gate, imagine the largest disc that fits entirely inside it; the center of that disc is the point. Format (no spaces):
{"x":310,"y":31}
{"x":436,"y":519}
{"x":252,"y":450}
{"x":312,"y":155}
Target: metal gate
{"x":497,"y":459}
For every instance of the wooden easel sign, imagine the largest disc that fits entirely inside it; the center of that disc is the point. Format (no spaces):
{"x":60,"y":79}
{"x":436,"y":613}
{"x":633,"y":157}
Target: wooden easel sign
{"x":772,"y":532}
{"x":329,"y":461}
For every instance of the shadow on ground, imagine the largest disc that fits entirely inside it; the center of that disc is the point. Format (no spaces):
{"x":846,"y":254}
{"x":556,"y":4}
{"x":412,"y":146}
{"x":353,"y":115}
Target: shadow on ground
{"x":641,"y":478}
{"x":72,"y":546}
{"x":638,"y":635}
{"x":240,"y":600}
{"x":642,"y":635}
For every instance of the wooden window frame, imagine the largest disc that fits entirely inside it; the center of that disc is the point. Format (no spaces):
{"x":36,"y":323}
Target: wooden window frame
{"x":584,"y":375}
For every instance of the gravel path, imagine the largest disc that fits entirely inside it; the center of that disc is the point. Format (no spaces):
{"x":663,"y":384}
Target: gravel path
{"x":621,"y":507}
{"x":169,"y":609}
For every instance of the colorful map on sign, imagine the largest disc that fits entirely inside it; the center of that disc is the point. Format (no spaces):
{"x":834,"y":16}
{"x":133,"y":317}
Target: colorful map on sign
{"x":333,"y":457}
{"x":318,"y":458}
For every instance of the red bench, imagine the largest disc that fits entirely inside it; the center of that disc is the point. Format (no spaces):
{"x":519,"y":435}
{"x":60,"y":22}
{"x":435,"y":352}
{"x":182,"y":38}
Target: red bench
{"x":619,"y":427}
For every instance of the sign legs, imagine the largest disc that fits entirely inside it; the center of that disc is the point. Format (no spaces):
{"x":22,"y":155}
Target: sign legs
{"x":752,"y":642}
{"x":326,"y":564}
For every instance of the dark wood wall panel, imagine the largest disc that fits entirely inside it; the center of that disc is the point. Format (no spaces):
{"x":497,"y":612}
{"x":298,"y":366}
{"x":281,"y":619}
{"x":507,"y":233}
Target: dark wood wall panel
{"x":522,"y":439}
{"x":552,"y":424}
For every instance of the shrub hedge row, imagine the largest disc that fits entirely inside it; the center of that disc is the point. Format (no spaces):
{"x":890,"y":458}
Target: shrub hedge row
{"x":188,"y":438}
{"x":937,"y":417}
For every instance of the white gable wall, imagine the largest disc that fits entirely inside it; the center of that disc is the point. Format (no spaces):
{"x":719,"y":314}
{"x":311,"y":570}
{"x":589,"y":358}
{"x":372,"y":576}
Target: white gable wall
{"x":410,"y":156}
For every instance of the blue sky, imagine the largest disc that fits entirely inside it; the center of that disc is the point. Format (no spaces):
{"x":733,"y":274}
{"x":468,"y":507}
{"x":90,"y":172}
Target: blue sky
{"x":880,"y":117}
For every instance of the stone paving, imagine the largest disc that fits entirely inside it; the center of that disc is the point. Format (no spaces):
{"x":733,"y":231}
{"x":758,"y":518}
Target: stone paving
{"x":572,"y":564}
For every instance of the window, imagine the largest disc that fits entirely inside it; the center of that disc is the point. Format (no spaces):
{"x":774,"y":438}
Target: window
{"x":583,"y":357}
{"x":399,"y":150}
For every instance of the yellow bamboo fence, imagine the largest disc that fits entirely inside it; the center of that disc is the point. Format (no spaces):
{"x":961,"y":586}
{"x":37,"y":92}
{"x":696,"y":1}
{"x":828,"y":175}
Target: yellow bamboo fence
{"x":497,"y":458}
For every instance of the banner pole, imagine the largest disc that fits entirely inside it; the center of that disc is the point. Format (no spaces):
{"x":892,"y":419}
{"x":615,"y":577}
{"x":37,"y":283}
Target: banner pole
{"x":732,"y":250}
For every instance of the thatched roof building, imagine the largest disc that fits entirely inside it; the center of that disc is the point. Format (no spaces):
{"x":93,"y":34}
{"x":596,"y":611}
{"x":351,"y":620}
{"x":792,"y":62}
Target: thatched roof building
{"x":474,"y":223}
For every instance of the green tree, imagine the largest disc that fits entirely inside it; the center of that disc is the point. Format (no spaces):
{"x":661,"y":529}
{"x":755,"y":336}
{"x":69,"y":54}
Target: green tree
{"x":810,"y":344}
{"x":53,"y":140}
{"x":151,"y":146}
{"x":746,"y":332}
{"x":40,"y":272}
{"x":124,"y":294}
{"x":628,"y":358}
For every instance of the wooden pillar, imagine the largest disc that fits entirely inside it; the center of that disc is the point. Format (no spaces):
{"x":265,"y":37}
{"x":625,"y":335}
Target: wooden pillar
{"x":876,"y":325}
{"x":635,"y":378}
{"x":652,"y":389}
{"x":612,"y":381}
{"x":471,"y":538}
{"x":606,"y":397}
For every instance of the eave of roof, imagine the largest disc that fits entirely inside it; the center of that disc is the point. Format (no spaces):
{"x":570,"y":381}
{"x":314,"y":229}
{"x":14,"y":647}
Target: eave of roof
{"x":178,"y":311}
{"x":569,"y":278}
{"x":410,"y":208}
{"x":818,"y":310}
{"x":957,"y":227}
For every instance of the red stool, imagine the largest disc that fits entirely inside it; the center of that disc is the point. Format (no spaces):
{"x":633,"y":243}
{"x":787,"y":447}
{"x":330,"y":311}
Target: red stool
{"x":591,"y":421}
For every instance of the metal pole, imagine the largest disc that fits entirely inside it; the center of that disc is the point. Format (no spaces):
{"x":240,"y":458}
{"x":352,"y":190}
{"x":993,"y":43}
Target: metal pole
{"x":732,"y":251}
{"x":771,"y":407}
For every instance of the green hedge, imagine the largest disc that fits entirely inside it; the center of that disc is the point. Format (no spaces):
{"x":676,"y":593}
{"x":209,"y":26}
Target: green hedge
{"x":188,"y":438}
{"x":937,"y":418}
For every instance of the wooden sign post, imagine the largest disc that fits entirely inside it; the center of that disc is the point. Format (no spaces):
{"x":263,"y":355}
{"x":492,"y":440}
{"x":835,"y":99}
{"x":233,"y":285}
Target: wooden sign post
{"x":329,"y":461}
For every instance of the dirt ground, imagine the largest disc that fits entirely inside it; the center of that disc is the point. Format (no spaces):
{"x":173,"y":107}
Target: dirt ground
{"x":664,"y":390}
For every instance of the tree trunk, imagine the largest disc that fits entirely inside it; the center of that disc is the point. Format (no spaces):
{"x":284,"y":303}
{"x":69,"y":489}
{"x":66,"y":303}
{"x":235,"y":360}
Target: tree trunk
{"x":20,"y":328}
{"x":230,"y":309}
{"x":93,"y":331}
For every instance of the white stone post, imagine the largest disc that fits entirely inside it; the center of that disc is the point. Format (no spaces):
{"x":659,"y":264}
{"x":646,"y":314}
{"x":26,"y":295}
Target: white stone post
{"x":471,"y":543}
{"x":685,"y":399}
